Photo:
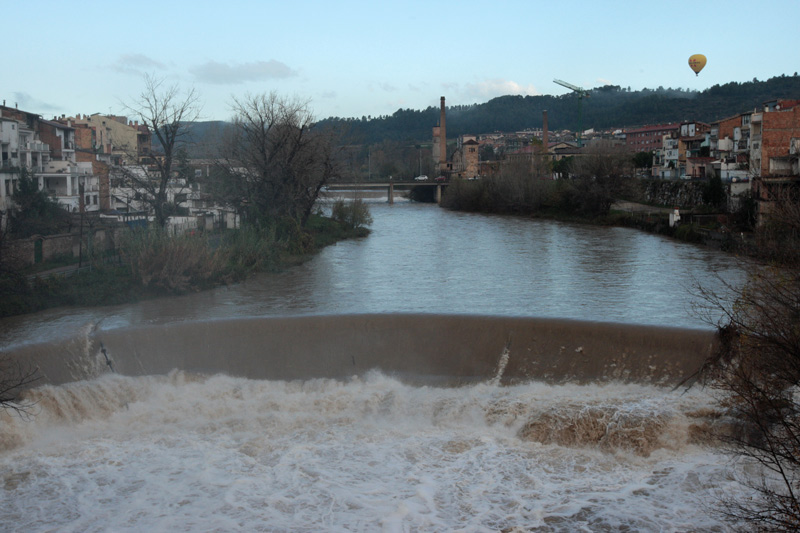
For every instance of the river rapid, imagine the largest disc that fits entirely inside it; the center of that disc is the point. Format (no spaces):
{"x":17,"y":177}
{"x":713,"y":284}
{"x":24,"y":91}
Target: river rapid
{"x":375,"y":451}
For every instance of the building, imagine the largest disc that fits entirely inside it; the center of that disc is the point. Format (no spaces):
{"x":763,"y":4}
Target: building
{"x":665,"y":160}
{"x":648,"y":138}
{"x":127,"y":142}
{"x":775,"y":149}
{"x":729,"y":145}
{"x":694,"y":149}
{"x":465,"y":161}
{"x":47,"y":149}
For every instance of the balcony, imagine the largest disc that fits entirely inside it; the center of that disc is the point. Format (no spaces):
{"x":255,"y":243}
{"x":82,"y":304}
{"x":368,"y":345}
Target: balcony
{"x":35,"y":146}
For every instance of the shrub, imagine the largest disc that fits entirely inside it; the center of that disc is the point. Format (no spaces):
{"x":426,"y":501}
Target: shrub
{"x":250,"y":249}
{"x":352,"y":215}
{"x":757,"y":373}
{"x":176,"y":264}
{"x":688,"y":233}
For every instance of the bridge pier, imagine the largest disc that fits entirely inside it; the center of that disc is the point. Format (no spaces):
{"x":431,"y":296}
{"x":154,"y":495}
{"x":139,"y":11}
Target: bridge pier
{"x":391,"y":193}
{"x":439,"y":193}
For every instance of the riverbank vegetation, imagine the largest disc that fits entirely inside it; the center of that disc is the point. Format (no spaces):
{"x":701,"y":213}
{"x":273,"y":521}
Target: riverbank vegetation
{"x":589,"y":189}
{"x":756,"y":374}
{"x":520,"y":188}
{"x":272,"y":165}
{"x":151,"y":263}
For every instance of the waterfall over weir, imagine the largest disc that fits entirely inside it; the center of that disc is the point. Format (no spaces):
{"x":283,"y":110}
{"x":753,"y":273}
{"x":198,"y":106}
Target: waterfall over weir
{"x":365,"y":423}
{"x":452,"y":348}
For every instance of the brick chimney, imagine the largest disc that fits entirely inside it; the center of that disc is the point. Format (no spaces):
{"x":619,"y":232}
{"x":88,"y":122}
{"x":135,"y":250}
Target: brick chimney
{"x":442,"y":140}
{"x":545,"y":133}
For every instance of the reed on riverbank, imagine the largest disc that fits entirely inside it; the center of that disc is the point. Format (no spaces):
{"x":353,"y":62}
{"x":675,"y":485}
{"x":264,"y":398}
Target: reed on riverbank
{"x":152,"y":263}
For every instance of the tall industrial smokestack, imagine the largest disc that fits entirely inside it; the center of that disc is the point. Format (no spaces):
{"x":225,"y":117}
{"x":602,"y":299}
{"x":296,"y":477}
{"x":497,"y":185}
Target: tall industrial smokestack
{"x":442,"y":140}
{"x":545,"y":133}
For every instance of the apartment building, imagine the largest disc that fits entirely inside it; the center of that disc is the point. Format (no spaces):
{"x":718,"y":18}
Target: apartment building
{"x":47,"y":149}
{"x":730,"y":148}
{"x":775,"y":150}
{"x":648,"y":138}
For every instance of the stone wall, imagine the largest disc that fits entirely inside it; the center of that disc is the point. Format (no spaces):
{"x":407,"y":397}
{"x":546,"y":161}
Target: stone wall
{"x":683,"y":194}
{"x":22,"y":252}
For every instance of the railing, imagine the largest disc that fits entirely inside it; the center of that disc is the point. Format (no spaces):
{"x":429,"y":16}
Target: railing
{"x":36,"y":146}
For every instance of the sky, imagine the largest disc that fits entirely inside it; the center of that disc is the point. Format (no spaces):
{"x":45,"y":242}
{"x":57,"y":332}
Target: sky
{"x":353,"y":58}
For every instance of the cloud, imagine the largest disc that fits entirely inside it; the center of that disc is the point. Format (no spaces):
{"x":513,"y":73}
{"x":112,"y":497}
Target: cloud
{"x":136,"y":64}
{"x":497,"y":87}
{"x":28,"y":102}
{"x":234,"y":74}
{"x":604,"y":81}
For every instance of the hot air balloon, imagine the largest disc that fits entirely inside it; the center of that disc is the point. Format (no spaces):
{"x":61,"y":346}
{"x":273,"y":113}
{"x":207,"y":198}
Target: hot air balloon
{"x":697,"y":62}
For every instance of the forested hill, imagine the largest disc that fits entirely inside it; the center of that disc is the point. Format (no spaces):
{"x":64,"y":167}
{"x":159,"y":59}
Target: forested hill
{"x":610,"y":106}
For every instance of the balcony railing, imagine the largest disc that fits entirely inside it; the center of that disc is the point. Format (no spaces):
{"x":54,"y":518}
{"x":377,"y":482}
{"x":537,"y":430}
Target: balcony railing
{"x":36,"y":146}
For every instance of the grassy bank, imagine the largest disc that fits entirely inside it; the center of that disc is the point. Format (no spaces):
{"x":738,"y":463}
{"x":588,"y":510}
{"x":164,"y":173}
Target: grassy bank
{"x":151,"y":264}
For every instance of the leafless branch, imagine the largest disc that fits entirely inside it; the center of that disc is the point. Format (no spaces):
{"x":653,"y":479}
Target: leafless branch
{"x":14,"y":378}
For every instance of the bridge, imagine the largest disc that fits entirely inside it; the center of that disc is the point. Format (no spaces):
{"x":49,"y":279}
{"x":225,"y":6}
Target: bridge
{"x":390,"y":186}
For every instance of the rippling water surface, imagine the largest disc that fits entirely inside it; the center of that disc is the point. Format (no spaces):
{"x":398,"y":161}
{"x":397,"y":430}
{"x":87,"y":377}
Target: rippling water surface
{"x":421,"y":258}
{"x":186,"y":452}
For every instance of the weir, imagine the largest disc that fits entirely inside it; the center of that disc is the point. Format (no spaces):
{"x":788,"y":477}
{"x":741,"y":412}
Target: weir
{"x":440,"y":349}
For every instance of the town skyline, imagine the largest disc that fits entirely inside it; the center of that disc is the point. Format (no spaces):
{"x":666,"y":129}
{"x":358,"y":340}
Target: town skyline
{"x":354,"y":59}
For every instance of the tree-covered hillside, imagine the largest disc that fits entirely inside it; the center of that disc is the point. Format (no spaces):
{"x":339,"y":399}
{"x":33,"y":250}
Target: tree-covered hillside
{"x":610,"y":106}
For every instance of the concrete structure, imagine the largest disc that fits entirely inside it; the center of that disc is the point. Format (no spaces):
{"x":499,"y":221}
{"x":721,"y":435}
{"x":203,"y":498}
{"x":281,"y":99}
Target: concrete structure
{"x":425,"y":348}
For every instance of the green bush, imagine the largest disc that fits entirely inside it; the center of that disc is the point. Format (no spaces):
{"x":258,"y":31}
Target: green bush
{"x":249,"y":249}
{"x":352,"y":215}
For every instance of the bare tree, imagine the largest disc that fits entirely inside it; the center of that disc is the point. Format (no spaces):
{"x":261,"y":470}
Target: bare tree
{"x":276,"y":158}
{"x":168,"y":114}
{"x":14,"y":378}
{"x":757,"y":373}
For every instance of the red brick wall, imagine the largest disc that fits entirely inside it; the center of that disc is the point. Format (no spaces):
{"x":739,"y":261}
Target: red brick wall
{"x":726,"y":127}
{"x":84,"y":153}
{"x":100,"y":170}
{"x":47,"y":134}
{"x":777,"y":130}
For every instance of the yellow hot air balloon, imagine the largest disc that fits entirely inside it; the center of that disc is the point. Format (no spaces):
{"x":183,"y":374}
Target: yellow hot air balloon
{"x":697,"y":62}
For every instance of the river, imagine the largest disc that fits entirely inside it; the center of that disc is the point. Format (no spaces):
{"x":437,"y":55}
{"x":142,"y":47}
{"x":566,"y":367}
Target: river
{"x":420,"y":258}
{"x":188,"y":451}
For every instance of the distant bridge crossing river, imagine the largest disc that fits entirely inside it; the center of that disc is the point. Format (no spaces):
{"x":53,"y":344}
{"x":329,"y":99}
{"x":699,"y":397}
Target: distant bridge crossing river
{"x":389,"y":186}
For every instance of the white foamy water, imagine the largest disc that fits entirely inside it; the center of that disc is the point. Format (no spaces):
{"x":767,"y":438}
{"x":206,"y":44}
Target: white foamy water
{"x":190,"y":453}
